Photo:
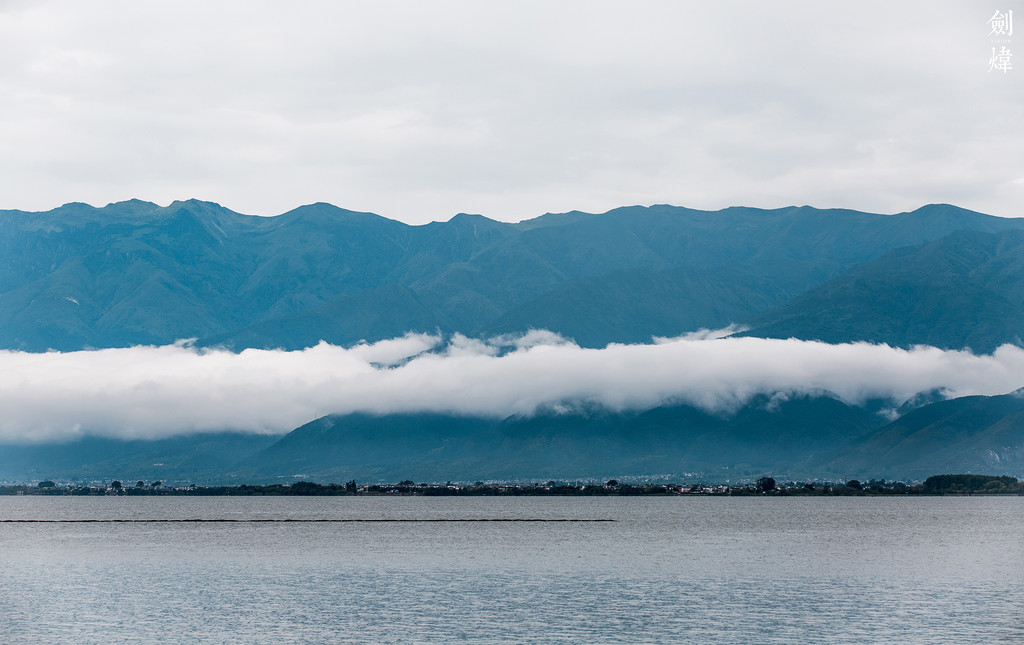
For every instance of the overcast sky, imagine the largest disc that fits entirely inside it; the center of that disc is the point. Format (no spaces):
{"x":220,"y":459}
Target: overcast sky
{"x":419,"y":110}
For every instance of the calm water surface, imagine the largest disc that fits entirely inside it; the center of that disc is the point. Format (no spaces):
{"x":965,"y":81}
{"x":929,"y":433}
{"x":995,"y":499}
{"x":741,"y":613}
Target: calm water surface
{"x":667,"y":570}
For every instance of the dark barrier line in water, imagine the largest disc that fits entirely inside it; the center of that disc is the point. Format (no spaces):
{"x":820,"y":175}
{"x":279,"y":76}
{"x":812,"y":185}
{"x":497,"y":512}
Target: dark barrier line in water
{"x":273,"y":521}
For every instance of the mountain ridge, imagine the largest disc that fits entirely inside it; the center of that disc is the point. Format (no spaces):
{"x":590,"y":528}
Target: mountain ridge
{"x":135,"y":273}
{"x":799,"y":437}
{"x":963,"y":290}
{"x":145,"y":274}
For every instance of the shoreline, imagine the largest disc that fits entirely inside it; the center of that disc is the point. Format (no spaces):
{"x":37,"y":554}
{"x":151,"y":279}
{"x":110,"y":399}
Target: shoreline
{"x":936,"y":485}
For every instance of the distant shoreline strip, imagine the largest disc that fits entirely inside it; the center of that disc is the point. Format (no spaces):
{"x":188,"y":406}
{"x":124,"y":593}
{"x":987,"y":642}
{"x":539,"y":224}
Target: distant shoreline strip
{"x":305,"y":521}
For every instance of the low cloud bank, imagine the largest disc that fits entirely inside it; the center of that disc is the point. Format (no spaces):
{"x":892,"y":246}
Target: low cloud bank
{"x":150,"y":392}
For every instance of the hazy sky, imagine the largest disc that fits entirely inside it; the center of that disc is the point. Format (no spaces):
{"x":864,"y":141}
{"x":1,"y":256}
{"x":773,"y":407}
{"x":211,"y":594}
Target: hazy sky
{"x":146,"y":392}
{"x":419,"y":110}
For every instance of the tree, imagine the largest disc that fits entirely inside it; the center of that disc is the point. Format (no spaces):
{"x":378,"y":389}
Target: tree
{"x":140,"y":484}
{"x":953,"y":483}
{"x":46,"y":483}
{"x":306,"y":488}
{"x":116,"y":484}
{"x":766,"y":484}
{"x":854,"y":484}
{"x":155,"y":484}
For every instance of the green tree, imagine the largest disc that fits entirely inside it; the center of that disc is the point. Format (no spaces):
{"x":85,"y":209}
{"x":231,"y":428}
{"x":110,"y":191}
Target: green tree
{"x":46,"y":483}
{"x":116,"y":484}
{"x":766,"y":484}
{"x":306,"y":488}
{"x":964,"y":483}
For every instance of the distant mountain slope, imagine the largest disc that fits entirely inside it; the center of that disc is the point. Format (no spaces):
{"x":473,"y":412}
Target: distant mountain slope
{"x":972,"y":434}
{"x":135,"y":272}
{"x":386,"y":312}
{"x":201,"y":458}
{"x":963,"y":290}
{"x":634,"y":305}
{"x":797,"y":435}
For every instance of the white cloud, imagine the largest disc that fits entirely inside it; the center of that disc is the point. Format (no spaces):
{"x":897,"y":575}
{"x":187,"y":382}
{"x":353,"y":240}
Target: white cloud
{"x":162,"y":391}
{"x":394,"y":351}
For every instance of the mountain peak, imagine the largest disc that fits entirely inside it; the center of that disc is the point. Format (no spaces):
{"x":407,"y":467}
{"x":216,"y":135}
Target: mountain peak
{"x":471,"y":219}
{"x":323,"y":211}
{"x":554,"y":219}
{"x":133,"y":208}
{"x":132,"y":202}
{"x":193,"y":202}
{"x":946,"y":210}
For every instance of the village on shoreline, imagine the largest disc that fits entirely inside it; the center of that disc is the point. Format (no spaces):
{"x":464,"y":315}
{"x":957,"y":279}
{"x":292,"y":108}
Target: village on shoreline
{"x":963,"y":484}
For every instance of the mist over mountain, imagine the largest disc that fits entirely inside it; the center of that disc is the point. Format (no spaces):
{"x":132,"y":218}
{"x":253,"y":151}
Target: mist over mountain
{"x":466,"y":398}
{"x":797,"y":437}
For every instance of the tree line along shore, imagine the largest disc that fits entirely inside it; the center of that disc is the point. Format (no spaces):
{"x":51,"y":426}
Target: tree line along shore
{"x":963,"y":484}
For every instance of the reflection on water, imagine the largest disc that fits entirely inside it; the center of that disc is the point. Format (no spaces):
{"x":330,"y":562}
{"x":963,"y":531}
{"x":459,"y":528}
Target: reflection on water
{"x":702,"y":570}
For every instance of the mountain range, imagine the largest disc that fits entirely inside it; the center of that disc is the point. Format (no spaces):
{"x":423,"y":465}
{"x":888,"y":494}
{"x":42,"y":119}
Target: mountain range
{"x":801,"y":437}
{"x":131,"y":273}
{"x":137,"y":273}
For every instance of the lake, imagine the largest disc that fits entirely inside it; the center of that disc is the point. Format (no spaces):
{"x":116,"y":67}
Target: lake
{"x":666,"y":570}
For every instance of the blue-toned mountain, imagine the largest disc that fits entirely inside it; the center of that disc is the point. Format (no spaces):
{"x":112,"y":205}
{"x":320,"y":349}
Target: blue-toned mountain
{"x":964,"y":290}
{"x":970,"y":434}
{"x":137,"y":273}
{"x":794,"y":437}
{"x":798,"y":435}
